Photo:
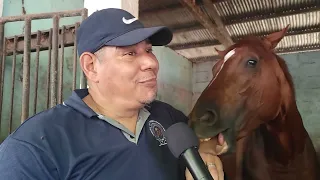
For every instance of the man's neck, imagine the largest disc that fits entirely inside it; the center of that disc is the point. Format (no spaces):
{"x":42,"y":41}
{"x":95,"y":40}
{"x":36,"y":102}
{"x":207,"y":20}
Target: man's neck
{"x":114,"y":110}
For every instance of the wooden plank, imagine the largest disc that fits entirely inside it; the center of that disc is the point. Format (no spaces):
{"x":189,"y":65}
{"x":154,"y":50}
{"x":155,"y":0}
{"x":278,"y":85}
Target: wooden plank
{"x":292,"y":32}
{"x":214,"y":28}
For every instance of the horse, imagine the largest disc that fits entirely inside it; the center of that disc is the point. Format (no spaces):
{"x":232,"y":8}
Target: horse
{"x":250,"y":102}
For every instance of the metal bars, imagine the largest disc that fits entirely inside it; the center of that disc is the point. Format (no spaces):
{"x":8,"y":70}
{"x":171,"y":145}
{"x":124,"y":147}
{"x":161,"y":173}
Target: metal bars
{"x":51,"y":82}
{"x":26,"y":71}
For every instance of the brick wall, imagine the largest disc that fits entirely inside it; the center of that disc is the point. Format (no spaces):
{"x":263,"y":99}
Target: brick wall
{"x":305,"y":70}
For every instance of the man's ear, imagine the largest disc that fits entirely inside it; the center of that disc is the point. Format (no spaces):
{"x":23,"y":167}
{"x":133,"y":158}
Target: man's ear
{"x":88,"y":65}
{"x":272,"y":40}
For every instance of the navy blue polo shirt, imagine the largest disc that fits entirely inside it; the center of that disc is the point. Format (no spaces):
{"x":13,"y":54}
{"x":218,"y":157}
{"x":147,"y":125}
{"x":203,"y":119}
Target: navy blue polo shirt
{"x":71,"y":141}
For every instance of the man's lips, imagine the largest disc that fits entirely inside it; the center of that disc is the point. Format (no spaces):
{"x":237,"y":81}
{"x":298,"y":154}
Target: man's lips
{"x":148,"y":80}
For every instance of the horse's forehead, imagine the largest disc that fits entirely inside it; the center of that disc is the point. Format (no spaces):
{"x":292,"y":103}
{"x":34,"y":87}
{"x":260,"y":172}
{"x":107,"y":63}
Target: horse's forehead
{"x":229,"y":54}
{"x":225,"y":59}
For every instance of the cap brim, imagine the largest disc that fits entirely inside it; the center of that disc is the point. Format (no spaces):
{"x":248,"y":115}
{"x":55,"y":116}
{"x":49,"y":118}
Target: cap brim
{"x":158,"y":36}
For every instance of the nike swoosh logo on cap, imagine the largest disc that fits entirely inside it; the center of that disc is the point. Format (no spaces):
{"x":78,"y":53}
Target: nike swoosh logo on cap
{"x":128,"y":21}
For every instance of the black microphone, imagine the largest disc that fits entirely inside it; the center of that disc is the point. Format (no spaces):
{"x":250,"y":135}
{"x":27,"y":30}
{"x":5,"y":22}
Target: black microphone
{"x":183,"y":143}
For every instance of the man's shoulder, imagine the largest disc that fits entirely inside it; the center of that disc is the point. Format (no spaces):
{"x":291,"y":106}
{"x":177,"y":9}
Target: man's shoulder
{"x":42,"y":124}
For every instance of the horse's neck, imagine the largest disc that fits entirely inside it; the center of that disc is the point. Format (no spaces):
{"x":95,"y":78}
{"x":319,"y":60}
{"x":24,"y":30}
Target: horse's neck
{"x":267,"y":158}
{"x":285,"y":136}
{"x":255,"y":164}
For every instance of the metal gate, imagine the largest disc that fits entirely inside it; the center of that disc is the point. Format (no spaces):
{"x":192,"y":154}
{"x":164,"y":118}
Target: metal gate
{"x":53,"y":41}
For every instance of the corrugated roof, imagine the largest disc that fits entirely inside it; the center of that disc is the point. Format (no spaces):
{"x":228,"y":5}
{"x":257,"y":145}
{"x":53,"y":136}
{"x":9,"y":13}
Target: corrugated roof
{"x":241,"y":18}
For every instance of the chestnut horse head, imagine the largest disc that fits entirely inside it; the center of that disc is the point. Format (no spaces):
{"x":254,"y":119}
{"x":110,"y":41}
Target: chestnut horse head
{"x":252,"y":89}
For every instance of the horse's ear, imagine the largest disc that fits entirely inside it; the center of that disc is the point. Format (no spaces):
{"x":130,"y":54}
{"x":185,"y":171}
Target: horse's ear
{"x":273,"y":39}
{"x":220,"y":53}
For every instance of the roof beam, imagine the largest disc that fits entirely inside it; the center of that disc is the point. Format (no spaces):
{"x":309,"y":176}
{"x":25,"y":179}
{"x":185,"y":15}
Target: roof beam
{"x":279,"y":51}
{"x":250,"y":17}
{"x":186,"y":27}
{"x":191,"y":45}
{"x":159,"y":10}
{"x":168,"y":8}
{"x":204,"y":59}
{"x":270,"y":13}
{"x":217,"y":28}
{"x":291,"y":32}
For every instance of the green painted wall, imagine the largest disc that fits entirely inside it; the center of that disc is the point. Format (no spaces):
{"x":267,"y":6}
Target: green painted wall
{"x":175,"y":86}
{"x":175,"y":75}
{"x":304,"y":68}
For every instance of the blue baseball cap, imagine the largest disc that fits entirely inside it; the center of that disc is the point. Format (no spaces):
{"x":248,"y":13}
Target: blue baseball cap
{"x":117,"y":27}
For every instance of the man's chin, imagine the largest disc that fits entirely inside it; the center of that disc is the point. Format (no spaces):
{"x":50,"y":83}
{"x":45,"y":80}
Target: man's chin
{"x":148,"y":97}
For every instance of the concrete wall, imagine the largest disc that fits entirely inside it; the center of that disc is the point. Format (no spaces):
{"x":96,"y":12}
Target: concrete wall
{"x":175,"y":86}
{"x":1,"y":7}
{"x":304,"y":68}
{"x":202,"y":74}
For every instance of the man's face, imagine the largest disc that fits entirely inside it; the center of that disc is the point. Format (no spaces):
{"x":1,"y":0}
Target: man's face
{"x":128,"y":74}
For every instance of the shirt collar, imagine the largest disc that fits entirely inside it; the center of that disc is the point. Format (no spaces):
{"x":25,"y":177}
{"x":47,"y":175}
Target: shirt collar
{"x":75,"y":101}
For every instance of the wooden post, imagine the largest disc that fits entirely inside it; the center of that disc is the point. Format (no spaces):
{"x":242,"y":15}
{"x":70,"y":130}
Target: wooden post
{"x":131,"y":6}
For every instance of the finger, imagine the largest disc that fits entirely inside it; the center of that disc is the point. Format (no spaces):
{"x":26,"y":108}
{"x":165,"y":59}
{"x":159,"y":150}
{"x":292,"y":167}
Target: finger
{"x":219,"y":167}
{"x":216,"y":170}
{"x":188,"y":175}
{"x":213,"y":171}
{"x":221,"y":149}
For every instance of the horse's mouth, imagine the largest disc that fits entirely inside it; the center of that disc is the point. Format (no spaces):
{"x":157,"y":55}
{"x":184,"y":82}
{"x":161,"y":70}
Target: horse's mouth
{"x":218,"y":148}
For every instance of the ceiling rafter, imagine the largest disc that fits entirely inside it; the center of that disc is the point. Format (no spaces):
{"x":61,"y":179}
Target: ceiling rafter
{"x":291,"y":32}
{"x":238,"y":16}
{"x":269,"y":14}
{"x":216,"y":28}
{"x":230,"y":20}
{"x":168,"y":8}
{"x":279,"y":51}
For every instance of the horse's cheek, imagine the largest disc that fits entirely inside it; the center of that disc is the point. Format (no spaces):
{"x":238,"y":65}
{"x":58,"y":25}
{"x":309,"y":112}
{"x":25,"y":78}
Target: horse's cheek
{"x":270,"y":104}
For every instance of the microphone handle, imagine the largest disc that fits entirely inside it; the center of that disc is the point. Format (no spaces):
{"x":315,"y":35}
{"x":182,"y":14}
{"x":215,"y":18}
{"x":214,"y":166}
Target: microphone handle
{"x":195,"y":164}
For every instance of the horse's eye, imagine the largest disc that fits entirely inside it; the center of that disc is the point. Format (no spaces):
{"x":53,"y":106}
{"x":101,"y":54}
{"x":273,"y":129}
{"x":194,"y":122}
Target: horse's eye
{"x":251,"y":62}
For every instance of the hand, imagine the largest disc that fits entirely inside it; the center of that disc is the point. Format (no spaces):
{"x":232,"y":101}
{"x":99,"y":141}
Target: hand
{"x":214,"y":166}
{"x":208,"y":152}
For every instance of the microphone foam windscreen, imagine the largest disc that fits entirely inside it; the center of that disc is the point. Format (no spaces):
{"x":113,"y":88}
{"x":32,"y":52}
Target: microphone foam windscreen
{"x":180,"y":137}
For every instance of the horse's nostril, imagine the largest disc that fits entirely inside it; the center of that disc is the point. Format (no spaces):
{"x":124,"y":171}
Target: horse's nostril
{"x":213,"y":117}
{"x":205,"y":117}
{"x":209,"y":118}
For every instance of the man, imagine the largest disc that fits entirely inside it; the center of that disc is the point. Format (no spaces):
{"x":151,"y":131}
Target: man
{"x":114,"y":129}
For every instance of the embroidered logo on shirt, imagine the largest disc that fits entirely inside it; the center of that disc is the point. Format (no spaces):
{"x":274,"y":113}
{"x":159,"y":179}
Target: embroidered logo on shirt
{"x":157,"y":131}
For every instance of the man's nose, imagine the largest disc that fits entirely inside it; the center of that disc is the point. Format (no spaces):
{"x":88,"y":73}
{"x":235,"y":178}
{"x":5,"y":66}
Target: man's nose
{"x":149,"y":62}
